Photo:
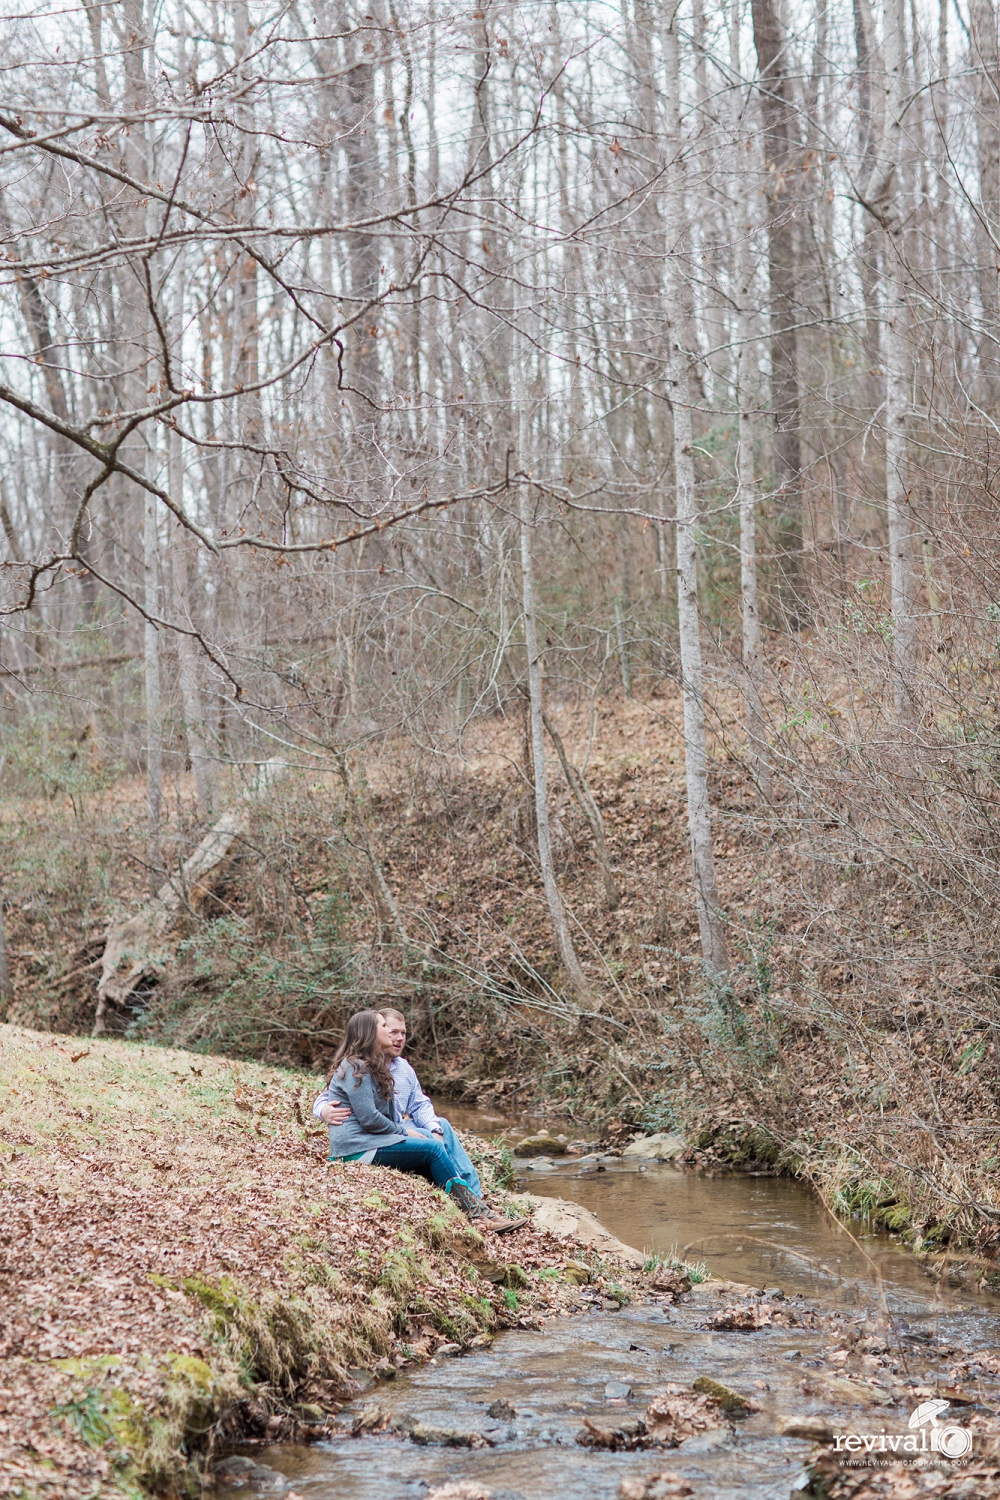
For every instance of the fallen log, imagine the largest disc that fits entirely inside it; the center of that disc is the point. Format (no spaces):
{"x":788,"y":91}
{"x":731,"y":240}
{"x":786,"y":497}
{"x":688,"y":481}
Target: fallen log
{"x":133,"y":948}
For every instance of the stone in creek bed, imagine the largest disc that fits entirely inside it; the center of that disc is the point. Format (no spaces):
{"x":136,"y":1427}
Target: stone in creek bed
{"x":661,"y":1147}
{"x":235,"y":1467}
{"x":541,"y":1164}
{"x":243,"y":1471}
{"x":446,"y":1437}
{"x":731,"y":1402}
{"x":447,"y":1351}
{"x":617,"y":1390}
{"x":542,"y":1144}
{"x":501,"y":1410}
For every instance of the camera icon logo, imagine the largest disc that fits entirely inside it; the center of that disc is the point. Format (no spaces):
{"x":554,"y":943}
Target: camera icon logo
{"x":949,"y":1440}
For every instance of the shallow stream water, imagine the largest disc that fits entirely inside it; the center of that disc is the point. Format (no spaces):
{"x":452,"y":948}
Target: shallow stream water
{"x":764,"y":1231}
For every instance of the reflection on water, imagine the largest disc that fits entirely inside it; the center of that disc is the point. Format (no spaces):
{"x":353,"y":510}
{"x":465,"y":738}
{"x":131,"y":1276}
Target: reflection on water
{"x":758,"y":1229}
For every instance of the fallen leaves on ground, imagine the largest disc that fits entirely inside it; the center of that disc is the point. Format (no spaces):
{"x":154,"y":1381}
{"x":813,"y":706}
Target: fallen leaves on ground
{"x":680,"y":1413}
{"x":747,"y":1319}
{"x":136,"y":1299}
{"x":672,"y":1282}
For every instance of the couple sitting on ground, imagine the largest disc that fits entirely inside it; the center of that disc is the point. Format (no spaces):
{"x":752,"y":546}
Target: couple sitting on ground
{"x":377,"y":1112}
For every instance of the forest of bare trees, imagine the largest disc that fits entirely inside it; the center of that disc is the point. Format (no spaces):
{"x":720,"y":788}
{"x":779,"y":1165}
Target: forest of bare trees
{"x":370,"y":375}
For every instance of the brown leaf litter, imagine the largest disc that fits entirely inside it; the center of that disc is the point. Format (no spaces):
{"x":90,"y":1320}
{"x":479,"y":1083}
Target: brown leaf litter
{"x":182,"y":1266}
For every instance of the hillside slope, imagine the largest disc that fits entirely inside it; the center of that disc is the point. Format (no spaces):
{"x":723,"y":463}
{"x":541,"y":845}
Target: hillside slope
{"x":181,"y":1266}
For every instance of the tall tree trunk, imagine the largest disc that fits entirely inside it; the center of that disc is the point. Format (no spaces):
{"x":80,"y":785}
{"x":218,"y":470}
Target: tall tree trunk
{"x":557,"y":912}
{"x":135,"y":344}
{"x":779,"y":118}
{"x":710,"y":920}
{"x":180,"y":567}
{"x":154,"y":708}
{"x":882,"y":192}
{"x":195,"y":731}
{"x":746,"y":384}
{"x":867,"y":144}
{"x":986,"y":81}
{"x":6,"y":988}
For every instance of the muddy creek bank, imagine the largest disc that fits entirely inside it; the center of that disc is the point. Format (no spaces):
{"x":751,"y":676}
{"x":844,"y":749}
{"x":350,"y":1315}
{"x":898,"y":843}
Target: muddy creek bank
{"x":853,"y":1337}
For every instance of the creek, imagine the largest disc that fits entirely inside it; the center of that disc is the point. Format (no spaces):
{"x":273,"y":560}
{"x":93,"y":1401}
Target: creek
{"x":763,"y":1231}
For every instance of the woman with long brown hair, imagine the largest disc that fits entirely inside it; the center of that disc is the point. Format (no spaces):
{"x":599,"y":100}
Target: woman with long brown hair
{"x":361,"y":1081}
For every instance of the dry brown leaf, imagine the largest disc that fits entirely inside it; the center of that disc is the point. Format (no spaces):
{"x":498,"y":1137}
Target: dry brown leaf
{"x":680,"y":1413}
{"x":745,"y":1319}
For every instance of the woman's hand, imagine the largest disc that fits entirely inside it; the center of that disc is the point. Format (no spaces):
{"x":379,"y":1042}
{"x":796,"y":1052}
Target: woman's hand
{"x":335,"y":1114}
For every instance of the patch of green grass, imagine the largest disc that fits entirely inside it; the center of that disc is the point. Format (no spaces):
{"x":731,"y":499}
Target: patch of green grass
{"x":695,"y":1271}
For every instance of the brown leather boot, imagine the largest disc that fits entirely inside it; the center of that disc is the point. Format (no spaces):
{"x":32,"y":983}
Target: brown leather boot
{"x":478,"y":1211}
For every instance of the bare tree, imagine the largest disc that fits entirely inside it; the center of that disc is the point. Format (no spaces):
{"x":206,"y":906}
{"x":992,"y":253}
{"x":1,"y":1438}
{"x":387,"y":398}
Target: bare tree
{"x":678,"y":363}
{"x":780,"y":149}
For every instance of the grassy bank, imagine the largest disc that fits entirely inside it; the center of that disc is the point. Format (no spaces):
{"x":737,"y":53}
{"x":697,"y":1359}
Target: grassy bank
{"x":182,"y":1266}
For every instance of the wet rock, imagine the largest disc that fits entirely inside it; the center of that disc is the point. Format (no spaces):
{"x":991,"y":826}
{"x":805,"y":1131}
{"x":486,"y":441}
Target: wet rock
{"x":626,"y":1435}
{"x":662,"y":1486}
{"x":541,"y":1164}
{"x":705,"y":1442}
{"x":501,"y":1410}
{"x":812,"y":1429}
{"x":731,"y":1402}
{"x":617,"y":1390}
{"x":242,"y":1473}
{"x":541,"y":1144}
{"x":568,"y":1220}
{"x":359,"y":1380}
{"x":774,"y":1293}
{"x":447,"y":1351}
{"x":460,"y":1489}
{"x":446,"y":1437}
{"x":234,"y":1467}
{"x":661,"y":1147}
{"x":306,"y":1411}
{"x":576,"y":1272}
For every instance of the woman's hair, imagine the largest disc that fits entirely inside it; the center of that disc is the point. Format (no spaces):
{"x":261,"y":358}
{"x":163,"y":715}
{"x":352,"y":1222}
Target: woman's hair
{"x":361,"y":1049}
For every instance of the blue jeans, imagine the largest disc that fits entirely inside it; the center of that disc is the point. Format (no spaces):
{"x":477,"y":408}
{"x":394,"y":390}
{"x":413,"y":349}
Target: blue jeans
{"x":458,"y":1154}
{"x":427,"y":1158}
